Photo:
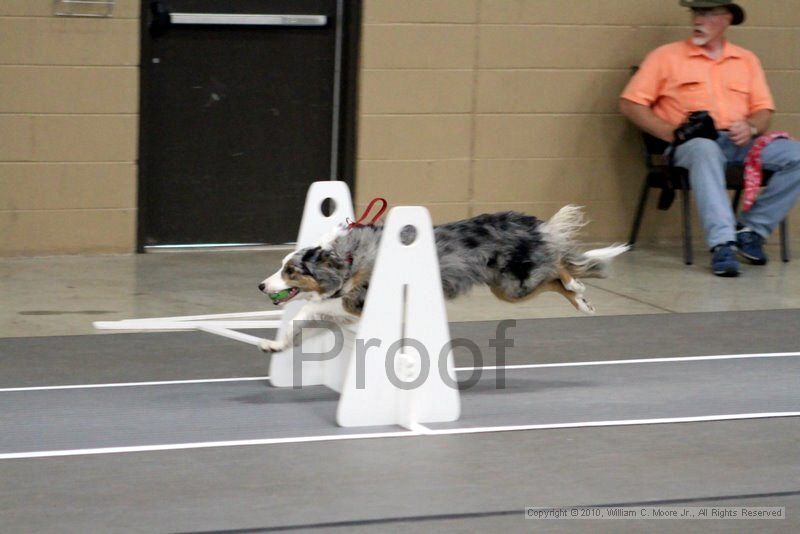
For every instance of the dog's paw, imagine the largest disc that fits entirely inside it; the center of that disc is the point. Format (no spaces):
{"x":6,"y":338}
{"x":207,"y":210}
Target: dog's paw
{"x":576,"y":286}
{"x":269,"y":346}
{"x":585,"y":306}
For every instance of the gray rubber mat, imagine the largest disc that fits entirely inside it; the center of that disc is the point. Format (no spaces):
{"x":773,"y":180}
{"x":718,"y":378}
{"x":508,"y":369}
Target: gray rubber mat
{"x":249,"y":410}
{"x":442,"y":483}
{"x":44,"y":361}
{"x":427,"y":484}
{"x":155,"y":415}
{"x":631,"y":392}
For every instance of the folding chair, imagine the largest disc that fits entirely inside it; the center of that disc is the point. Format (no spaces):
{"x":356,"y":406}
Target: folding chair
{"x":671,"y":179}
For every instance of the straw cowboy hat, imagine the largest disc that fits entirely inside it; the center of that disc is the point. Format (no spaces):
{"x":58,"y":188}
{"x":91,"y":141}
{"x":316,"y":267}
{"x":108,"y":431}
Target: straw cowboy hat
{"x":735,"y":9}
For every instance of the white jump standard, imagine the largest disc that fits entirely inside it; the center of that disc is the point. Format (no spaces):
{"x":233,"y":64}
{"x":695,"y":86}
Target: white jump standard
{"x":395,"y":366}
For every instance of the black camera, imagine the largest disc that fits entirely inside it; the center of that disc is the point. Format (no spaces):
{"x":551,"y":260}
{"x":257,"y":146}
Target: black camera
{"x":699,"y":124}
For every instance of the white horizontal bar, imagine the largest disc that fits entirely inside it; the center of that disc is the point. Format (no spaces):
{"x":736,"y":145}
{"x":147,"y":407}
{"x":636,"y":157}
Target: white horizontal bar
{"x":182,"y":325}
{"x":91,"y":2}
{"x":458,"y":369}
{"x":203,"y":445}
{"x":239,"y":315}
{"x":135,"y":384}
{"x":626,"y":422}
{"x":232,"y":334}
{"x":420,"y":431}
{"x":203,"y":246}
{"x":641,"y":360}
{"x":248,"y":19}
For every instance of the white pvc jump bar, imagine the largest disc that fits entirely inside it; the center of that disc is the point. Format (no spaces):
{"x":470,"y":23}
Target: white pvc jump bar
{"x":204,"y":323}
{"x":213,"y":324}
{"x":241,"y":315}
{"x":134,"y":324}
{"x":232,"y":334}
{"x":219,"y":328}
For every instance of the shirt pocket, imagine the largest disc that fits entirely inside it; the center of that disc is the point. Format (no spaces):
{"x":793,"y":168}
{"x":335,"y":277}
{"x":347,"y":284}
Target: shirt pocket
{"x":693,"y":95}
{"x":739,"y":93}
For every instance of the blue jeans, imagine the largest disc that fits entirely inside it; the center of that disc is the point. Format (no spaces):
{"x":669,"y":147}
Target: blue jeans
{"x":706,"y":161}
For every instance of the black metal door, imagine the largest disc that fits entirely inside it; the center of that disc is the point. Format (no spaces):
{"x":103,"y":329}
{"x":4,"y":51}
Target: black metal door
{"x":239,"y":115}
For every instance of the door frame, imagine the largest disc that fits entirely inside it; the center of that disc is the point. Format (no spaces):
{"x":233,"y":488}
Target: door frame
{"x":344,"y":132}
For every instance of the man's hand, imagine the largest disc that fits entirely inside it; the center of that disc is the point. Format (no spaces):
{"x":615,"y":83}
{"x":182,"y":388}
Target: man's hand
{"x":740,"y":132}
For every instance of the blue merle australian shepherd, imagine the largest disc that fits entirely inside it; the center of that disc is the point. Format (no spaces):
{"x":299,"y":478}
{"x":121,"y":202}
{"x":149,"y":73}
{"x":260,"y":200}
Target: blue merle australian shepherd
{"x":516,"y":255}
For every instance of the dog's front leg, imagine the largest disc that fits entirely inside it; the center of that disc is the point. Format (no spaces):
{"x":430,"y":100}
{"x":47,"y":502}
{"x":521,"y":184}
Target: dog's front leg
{"x":291,"y":336}
{"x":273,"y":345}
{"x":327,"y":310}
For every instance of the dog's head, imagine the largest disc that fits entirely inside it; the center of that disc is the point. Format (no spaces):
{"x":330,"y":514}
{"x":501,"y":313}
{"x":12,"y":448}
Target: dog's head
{"x":312,"y":273}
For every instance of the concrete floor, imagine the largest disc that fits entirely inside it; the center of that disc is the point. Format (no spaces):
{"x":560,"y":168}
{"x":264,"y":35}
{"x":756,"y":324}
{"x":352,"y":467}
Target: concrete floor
{"x":446,"y":483}
{"x":62,"y":295}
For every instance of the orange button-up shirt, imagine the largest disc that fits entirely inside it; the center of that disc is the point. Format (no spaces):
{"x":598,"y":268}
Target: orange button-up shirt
{"x":679,"y":78}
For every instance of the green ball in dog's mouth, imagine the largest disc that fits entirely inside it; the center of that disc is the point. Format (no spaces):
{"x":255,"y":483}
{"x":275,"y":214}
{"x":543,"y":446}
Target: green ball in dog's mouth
{"x":283,"y":295}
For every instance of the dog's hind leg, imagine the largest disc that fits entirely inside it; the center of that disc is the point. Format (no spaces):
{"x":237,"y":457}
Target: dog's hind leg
{"x":577,"y":299}
{"x":519,"y":295}
{"x":570,"y":283}
{"x":573,"y":290}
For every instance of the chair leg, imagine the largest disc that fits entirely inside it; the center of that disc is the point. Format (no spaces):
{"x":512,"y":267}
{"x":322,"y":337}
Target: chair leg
{"x":637,"y":220}
{"x":784,"y":241}
{"x":688,"y":257}
{"x":736,"y":197}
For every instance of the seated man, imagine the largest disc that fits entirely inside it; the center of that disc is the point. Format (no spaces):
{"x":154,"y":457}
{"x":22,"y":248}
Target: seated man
{"x":708,"y":73}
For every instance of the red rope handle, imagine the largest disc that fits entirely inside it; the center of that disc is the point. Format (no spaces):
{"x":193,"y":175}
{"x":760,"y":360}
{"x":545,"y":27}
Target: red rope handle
{"x":358,"y":223}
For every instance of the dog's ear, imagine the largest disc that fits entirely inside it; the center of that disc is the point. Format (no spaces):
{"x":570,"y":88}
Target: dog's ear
{"x":310,"y":255}
{"x":317,"y":257}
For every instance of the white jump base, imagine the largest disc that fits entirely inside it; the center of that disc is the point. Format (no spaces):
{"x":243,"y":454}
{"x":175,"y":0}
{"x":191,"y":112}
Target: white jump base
{"x":405,"y":300}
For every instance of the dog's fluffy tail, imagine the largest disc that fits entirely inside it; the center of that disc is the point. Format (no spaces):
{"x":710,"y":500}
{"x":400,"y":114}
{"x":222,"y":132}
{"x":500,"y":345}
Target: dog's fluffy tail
{"x":562,"y":228}
{"x":595,"y":263}
{"x":561,"y":231}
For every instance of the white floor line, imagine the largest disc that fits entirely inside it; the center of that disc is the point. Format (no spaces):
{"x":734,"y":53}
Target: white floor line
{"x":640,"y":360}
{"x":204,"y":445}
{"x":628,"y":422}
{"x":420,"y":431}
{"x":458,"y":369}
{"x":135,"y":384}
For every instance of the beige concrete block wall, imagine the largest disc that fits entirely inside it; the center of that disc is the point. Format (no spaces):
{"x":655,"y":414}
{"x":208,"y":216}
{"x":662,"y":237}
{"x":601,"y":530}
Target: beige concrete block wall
{"x":69,"y":126}
{"x":416,"y":124}
{"x":465,"y":106}
{"x":469,"y":106}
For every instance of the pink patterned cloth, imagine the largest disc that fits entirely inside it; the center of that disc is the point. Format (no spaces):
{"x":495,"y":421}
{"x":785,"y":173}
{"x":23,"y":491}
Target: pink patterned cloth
{"x":753,"y":175}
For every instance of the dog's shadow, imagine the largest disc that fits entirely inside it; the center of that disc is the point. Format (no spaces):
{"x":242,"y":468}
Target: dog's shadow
{"x":274,"y":395}
{"x":321,"y":394}
{"x":517,"y":386}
